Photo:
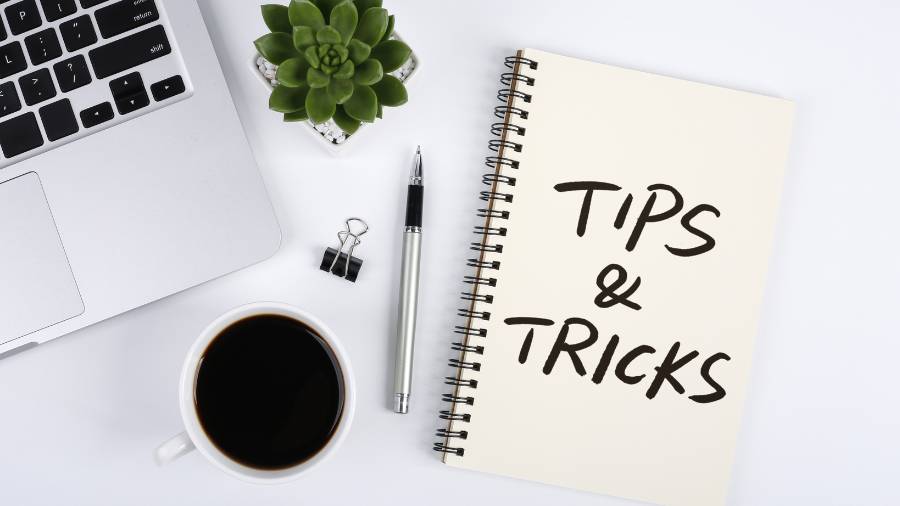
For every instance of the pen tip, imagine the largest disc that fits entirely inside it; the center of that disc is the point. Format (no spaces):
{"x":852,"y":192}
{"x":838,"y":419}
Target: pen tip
{"x":416,"y":177}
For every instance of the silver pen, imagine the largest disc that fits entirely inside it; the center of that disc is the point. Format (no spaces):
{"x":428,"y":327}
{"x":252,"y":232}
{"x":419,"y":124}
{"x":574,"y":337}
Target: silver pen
{"x":409,"y":287}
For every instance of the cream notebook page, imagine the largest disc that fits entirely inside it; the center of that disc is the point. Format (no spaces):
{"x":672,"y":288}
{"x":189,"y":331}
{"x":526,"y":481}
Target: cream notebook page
{"x":711,"y":160}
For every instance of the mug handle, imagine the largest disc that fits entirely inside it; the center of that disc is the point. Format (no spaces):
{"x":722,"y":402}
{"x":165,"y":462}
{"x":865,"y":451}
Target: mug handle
{"x":174,"y":448}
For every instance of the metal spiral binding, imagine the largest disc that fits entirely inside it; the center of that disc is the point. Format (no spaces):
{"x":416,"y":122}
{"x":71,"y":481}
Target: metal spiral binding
{"x":493,"y":161}
{"x":453,"y":380}
{"x":478,"y":350}
{"x":502,"y":111}
{"x":488,"y":196}
{"x":499,"y":185}
{"x":482,"y":264}
{"x":505,"y":94}
{"x":449,"y":415}
{"x":468,"y":313}
{"x":476,"y":280}
{"x":497,"y":144}
{"x":490,"y":179}
{"x":493,"y":214}
{"x":491,"y":231}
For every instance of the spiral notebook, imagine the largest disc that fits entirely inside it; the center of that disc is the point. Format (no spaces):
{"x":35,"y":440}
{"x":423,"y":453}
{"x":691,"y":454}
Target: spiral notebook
{"x":607,"y":334}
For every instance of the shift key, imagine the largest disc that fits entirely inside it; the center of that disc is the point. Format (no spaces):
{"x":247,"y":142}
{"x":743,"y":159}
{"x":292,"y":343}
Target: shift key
{"x":129,"y":52}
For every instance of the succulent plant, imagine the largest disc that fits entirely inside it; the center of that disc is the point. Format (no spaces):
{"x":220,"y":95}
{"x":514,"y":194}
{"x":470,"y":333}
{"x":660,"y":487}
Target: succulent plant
{"x":333,"y":59}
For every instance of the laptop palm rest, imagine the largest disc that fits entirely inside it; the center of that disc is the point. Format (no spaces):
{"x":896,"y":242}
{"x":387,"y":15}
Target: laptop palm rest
{"x":37,"y":288}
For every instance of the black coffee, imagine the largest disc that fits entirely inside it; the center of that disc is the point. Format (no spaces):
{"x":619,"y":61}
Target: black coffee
{"x":269,"y":392}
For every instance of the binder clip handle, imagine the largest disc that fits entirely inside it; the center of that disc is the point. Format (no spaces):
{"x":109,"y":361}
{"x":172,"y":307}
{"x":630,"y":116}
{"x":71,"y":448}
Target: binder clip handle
{"x":340,"y":261}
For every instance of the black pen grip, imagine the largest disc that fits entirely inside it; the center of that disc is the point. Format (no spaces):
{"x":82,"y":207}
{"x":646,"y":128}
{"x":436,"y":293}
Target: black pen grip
{"x":415,"y":198}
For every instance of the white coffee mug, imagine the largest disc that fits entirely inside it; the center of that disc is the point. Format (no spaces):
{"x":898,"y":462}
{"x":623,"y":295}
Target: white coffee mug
{"x":195,"y":438}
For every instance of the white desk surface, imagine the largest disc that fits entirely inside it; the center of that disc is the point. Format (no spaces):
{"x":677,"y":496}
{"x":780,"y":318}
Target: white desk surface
{"x":81,"y":415}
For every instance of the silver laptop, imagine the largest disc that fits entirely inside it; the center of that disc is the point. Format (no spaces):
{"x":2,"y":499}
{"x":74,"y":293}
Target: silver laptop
{"x":125,"y":175}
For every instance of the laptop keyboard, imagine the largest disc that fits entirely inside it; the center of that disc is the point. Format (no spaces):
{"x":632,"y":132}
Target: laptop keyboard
{"x":69,"y":68}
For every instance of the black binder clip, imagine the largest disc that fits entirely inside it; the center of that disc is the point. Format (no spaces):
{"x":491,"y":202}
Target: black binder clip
{"x":340,"y":262}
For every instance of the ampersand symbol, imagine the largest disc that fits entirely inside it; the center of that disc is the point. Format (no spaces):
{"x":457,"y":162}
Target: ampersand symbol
{"x":608,"y":296}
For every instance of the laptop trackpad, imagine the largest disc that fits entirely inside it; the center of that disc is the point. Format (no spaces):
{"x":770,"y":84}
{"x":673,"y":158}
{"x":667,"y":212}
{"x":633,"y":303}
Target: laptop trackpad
{"x":37,"y":288}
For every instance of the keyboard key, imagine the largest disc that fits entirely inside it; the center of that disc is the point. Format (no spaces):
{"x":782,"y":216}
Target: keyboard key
{"x":78,"y":33}
{"x":126,"y":85}
{"x":90,"y":3}
{"x":58,"y":119}
{"x":37,"y":87}
{"x":12,"y":60}
{"x":93,"y":116}
{"x":129,"y":93}
{"x":19,"y":135}
{"x":133,"y":102}
{"x":58,"y":9}
{"x":129,"y":52}
{"x":43,"y":46}
{"x":72,"y":73}
{"x":2,"y":32}
{"x":9,"y":99}
{"x":22,"y":16}
{"x":125,"y":15}
{"x":167,"y":88}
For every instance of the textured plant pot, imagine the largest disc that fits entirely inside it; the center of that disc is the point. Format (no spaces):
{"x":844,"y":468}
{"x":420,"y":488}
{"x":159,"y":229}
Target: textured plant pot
{"x":329,"y":134}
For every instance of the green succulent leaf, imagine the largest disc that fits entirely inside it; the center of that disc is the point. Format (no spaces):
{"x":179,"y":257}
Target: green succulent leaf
{"x":319,"y":105}
{"x":296,"y":116}
{"x":292,"y":72}
{"x":304,"y":37}
{"x":287,"y":100}
{"x":359,"y":51}
{"x":390,"y":29}
{"x":364,"y":5}
{"x":369,"y":72}
{"x":346,"y":70}
{"x":276,"y":18}
{"x":312,"y":57}
{"x":343,"y":120}
{"x":344,"y":19}
{"x":305,"y":13}
{"x":328,"y":35}
{"x":372,"y":26}
{"x":340,"y":90}
{"x":390,"y":91}
{"x":316,"y":78}
{"x":327,"y":7}
{"x":363,"y":105}
{"x":276,"y":47}
{"x":342,"y":52}
{"x":322,"y":50}
{"x":392,"y":54}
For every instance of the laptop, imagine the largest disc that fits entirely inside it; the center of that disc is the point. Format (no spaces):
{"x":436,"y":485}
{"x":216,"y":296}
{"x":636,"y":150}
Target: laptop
{"x":125,"y":175}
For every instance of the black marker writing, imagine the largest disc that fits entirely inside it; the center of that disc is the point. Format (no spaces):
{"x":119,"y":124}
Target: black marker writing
{"x":526,"y":345}
{"x":588,"y":187}
{"x":605,"y":360}
{"x":704,"y":372}
{"x":647,"y":215}
{"x":608,"y":296}
{"x":626,"y":367}
{"x":621,"y":369}
{"x":571,"y":348}
{"x":666,"y":370}
{"x":708,"y":244}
